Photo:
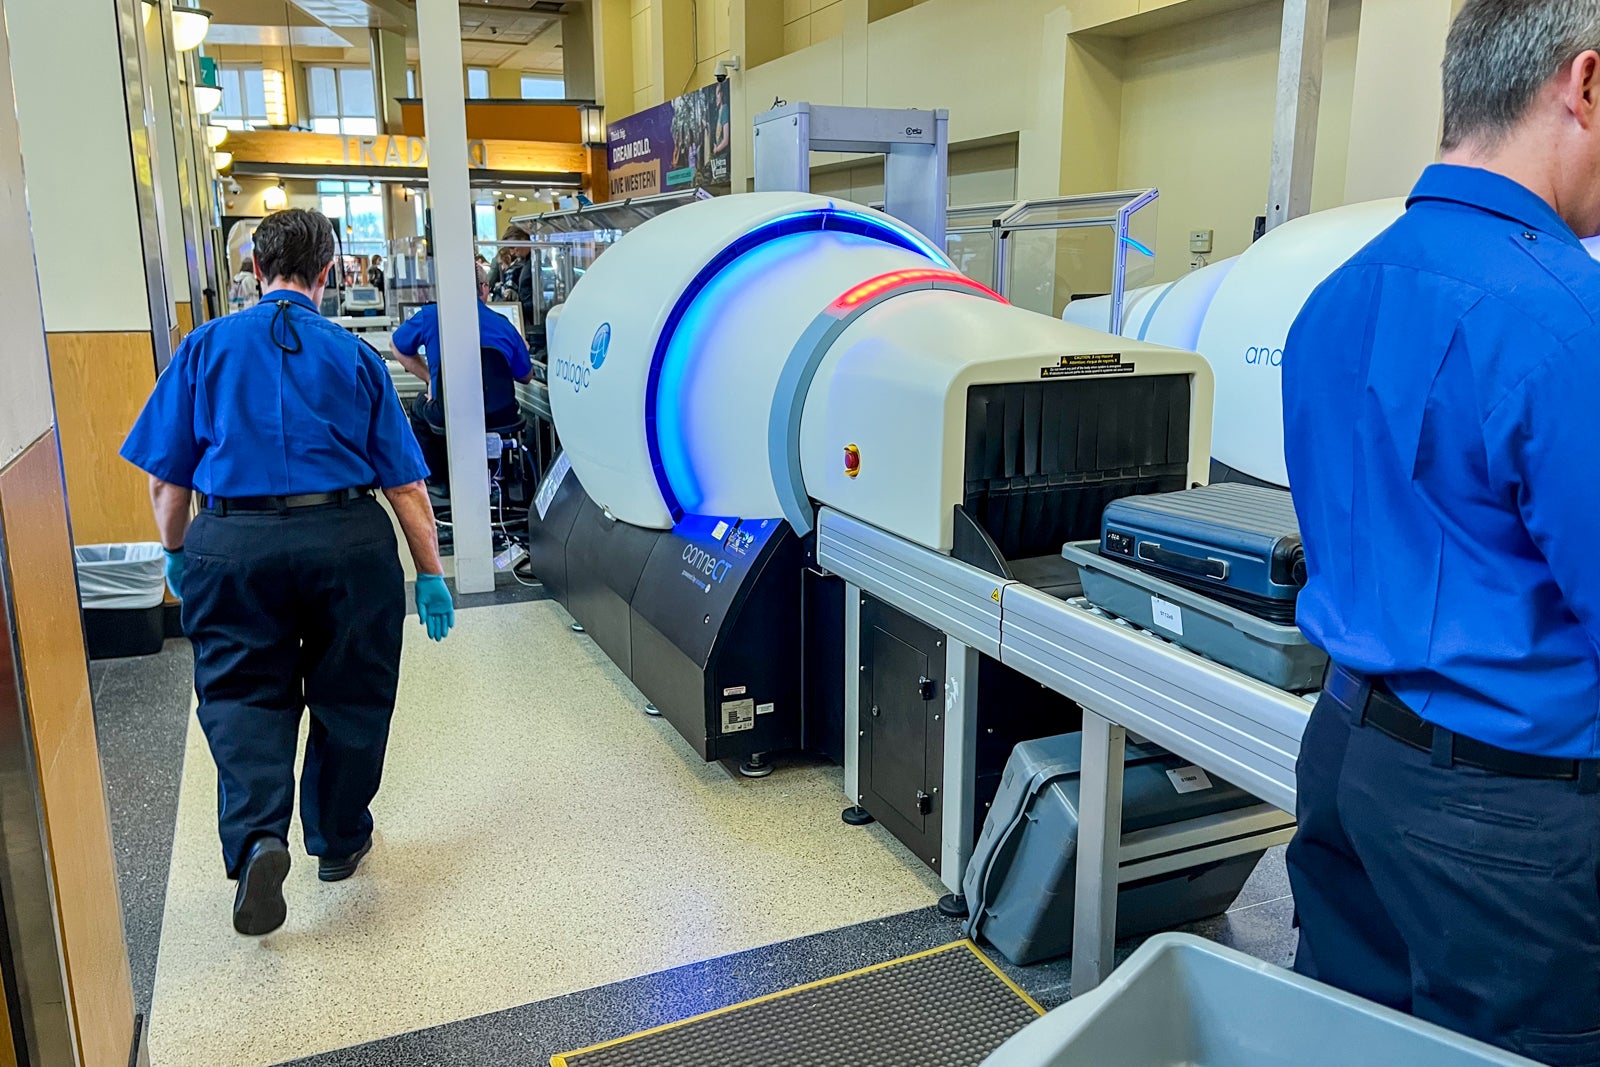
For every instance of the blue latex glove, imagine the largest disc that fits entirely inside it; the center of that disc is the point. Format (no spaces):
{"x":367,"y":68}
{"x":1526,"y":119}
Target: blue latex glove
{"x":175,"y":561}
{"x":434,"y":606}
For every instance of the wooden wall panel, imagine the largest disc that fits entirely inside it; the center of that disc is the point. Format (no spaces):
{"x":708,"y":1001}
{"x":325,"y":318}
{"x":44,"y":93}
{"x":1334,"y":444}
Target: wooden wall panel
{"x":55,"y":678}
{"x":101,"y":383}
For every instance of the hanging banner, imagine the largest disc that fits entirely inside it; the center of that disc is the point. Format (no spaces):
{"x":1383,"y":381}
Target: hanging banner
{"x":681,"y":144}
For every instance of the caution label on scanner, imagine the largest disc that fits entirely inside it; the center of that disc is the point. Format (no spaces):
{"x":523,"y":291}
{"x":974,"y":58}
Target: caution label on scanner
{"x":1086,"y":364}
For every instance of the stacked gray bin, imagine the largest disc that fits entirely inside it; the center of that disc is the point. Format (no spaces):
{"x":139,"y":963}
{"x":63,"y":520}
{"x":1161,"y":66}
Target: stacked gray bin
{"x":1183,"y":1002}
{"x":1020,"y":883}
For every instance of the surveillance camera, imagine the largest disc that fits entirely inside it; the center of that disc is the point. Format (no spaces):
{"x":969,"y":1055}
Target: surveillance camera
{"x":234,"y":188}
{"x":722,"y":76}
{"x":726,"y":65}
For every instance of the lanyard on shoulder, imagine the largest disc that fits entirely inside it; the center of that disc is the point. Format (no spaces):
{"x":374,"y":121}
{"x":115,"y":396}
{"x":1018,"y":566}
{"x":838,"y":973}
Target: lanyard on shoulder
{"x":282,"y":322}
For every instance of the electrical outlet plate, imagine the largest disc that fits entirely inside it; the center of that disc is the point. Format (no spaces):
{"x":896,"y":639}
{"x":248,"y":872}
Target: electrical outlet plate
{"x":1201,"y":241}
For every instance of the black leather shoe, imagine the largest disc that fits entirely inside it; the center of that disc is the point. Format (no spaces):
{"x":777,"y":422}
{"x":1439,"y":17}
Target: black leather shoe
{"x":331,"y":869}
{"x":258,"y":906}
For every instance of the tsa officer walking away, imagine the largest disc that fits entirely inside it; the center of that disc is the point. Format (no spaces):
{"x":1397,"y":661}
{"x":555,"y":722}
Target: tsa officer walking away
{"x":1439,"y":408}
{"x":292,"y":589}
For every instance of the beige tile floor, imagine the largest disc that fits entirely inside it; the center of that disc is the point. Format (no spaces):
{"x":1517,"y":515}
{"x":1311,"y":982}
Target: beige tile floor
{"x":537,"y":835}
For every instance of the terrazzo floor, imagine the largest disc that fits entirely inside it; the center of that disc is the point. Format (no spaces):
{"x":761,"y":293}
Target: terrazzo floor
{"x":537,"y":836}
{"x":552,"y":869}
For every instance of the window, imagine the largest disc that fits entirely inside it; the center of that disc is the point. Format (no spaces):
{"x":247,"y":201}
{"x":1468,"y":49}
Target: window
{"x":244,"y":97}
{"x":411,"y":83}
{"x":484,"y":222}
{"x":356,"y":209}
{"x":543,"y":87}
{"x":341,"y":100}
{"x":477,"y":83}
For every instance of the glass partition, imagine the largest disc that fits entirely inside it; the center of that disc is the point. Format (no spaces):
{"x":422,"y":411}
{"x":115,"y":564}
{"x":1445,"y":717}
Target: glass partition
{"x":1054,"y":251}
{"x":972,"y":242}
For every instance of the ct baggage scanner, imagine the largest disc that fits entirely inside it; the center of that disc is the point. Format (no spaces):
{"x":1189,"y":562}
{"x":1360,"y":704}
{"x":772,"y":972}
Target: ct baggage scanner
{"x":809,"y":470}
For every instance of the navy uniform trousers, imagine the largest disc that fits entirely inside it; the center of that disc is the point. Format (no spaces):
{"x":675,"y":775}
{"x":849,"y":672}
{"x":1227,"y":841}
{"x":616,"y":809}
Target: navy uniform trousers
{"x":289,"y":611}
{"x":1468,"y":898}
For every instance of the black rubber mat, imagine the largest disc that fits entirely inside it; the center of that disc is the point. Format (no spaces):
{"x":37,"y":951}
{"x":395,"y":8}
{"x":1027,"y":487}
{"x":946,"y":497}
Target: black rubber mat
{"x":949,"y":1007}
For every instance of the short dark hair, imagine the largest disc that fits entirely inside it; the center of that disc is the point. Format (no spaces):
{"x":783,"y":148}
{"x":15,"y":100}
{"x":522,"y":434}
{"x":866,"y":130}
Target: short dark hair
{"x":294,"y":245}
{"x":1499,"y":56}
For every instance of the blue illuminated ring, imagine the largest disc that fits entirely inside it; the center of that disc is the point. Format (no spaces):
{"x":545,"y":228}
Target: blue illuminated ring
{"x":814,"y":220}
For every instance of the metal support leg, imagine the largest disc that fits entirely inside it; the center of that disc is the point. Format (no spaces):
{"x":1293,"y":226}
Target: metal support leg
{"x":1094,"y":931}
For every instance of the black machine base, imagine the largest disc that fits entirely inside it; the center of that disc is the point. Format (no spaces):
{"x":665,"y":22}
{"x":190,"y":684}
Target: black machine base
{"x":705,"y":618}
{"x":857,"y":816}
{"x":953,"y":906}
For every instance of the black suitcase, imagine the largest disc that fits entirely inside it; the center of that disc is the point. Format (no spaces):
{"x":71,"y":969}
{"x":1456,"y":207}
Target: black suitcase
{"x":1238,"y":544}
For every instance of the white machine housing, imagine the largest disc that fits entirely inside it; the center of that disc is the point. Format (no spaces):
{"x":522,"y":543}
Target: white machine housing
{"x":1237,"y":313}
{"x":722,"y":358}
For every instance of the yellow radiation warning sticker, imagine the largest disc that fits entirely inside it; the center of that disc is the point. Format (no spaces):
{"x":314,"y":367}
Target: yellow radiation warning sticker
{"x":995,"y":596}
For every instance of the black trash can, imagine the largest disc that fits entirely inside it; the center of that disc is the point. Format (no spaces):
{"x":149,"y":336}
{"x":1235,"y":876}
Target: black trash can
{"x":121,"y":589}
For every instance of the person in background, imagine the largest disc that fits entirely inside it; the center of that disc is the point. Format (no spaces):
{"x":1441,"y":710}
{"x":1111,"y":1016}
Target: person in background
{"x":1439,"y":398}
{"x":505,"y":360}
{"x":292,"y":589}
{"x":524,"y":273}
{"x":244,"y":290}
{"x":375,"y":273}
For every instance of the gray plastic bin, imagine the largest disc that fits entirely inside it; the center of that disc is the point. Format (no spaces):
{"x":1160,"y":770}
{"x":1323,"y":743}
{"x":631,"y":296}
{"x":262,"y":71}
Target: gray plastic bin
{"x":1278,"y":655}
{"x":1020,"y":884}
{"x":122,"y":589}
{"x":1183,"y":1002}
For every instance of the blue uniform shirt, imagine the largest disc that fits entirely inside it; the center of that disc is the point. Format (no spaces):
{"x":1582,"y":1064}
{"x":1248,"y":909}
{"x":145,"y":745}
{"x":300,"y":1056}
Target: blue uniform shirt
{"x":495,"y":331}
{"x":236,"y":414}
{"x":1443,"y":438}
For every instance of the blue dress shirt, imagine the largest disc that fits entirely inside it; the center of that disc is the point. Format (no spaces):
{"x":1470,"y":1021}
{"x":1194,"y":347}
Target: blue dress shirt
{"x":275,"y":401}
{"x":1443,"y":441}
{"x":421,"y":331}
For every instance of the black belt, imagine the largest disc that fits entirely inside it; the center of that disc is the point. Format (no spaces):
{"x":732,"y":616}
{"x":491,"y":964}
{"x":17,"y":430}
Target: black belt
{"x":1376,"y":706}
{"x":278,"y":505}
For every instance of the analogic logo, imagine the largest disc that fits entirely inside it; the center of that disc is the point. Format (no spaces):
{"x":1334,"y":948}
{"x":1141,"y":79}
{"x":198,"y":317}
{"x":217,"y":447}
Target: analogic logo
{"x":1263,"y":356}
{"x":600,"y":345}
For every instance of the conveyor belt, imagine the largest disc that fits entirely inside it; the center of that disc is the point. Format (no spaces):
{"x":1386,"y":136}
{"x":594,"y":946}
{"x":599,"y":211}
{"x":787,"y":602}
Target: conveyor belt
{"x":950,"y":1007}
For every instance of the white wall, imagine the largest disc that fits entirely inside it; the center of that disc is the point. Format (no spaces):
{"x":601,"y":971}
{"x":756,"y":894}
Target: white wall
{"x":1197,"y":111}
{"x":25,"y":406}
{"x":75,"y":146}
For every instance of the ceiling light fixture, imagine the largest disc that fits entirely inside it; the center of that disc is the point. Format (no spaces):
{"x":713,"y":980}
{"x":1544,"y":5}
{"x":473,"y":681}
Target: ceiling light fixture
{"x":215,"y":135}
{"x":276,"y":198}
{"x":222,"y":160}
{"x":189,"y":27}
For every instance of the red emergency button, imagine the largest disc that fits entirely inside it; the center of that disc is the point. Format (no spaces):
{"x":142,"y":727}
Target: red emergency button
{"x":852,"y":461}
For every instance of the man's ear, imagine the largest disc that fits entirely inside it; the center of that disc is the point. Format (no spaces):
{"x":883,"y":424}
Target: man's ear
{"x":322,"y":279}
{"x":1582,"y":91}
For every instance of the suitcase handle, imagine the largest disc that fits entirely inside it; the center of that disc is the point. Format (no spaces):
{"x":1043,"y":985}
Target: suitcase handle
{"x":1215,"y":569}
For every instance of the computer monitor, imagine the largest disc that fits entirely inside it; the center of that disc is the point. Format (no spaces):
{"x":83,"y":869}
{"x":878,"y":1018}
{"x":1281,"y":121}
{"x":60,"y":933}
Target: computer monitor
{"x":513,"y":313}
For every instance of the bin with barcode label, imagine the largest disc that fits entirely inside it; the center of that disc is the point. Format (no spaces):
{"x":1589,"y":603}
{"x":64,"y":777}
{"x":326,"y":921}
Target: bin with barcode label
{"x":1271,"y":652}
{"x":1019,"y":885}
{"x":1180,"y":1000}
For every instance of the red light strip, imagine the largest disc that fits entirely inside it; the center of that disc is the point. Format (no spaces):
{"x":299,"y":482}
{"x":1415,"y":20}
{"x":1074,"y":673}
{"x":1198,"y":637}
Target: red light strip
{"x":883,"y":283}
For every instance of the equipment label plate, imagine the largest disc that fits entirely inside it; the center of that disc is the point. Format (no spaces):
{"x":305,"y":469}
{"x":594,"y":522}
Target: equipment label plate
{"x":552,"y":482}
{"x":1088,"y":363}
{"x":1168,"y":616}
{"x":1189,"y":779}
{"x":738,"y":715}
